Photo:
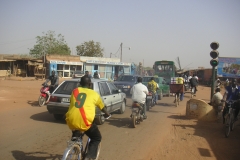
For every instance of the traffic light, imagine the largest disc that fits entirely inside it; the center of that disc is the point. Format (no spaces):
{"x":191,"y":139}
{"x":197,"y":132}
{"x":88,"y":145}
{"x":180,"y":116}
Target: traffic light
{"x":214,"y":54}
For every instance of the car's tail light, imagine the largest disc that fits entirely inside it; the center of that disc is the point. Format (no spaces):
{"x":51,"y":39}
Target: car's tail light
{"x":54,"y":99}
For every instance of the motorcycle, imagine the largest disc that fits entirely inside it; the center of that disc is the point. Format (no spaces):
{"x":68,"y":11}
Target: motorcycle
{"x":137,"y":114}
{"x":149,"y":101}
{"x":45,"y":95}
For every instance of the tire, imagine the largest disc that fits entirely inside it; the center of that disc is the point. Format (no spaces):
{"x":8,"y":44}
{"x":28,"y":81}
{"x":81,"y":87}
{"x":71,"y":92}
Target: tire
{"x":58,"y":116}
{"x":177,"y":101}
{"x":227,"y":125}
{"x":123,"y":107}
{"x":71,"y":153}
{"x":168,"y":93}
{"x":99,"y":120}
{"x":98,"y":151}
{"x":133,"y":121}
{"x":147,"y":105}
{"x":160,"y":96}
{"x":41,"y":101}
{"x":232,"y":123}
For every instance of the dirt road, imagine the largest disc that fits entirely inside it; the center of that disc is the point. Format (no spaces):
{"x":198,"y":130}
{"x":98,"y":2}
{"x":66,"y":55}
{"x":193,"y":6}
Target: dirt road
{"x":29,"y":132}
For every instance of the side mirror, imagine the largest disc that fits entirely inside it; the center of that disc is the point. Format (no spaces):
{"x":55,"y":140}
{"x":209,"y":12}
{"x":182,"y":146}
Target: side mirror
{"x":119,"y":91}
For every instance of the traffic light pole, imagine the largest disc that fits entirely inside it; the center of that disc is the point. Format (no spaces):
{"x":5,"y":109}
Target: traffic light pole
{"x":213,"y":80}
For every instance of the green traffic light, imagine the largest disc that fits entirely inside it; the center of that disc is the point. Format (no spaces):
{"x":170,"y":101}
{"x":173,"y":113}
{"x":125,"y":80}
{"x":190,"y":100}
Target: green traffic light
{"x":214,"y":62}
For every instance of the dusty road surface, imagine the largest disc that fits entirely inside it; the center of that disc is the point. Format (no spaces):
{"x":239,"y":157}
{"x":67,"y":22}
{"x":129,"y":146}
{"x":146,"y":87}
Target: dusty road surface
{"x":29,"y":132}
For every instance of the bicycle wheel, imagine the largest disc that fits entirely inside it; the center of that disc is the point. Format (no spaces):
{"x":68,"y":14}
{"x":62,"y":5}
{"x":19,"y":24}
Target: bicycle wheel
{"x":133,"y":121}
{"x":72,"y":153}
{"x":176,"y":100}
{"x":227,"y":125}
{"x":86,"y":150}
{"x":232,"y":122}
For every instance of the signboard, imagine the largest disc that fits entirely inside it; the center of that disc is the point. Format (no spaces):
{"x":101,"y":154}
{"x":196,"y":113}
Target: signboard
{"x":66,"y":62}
{"x":110,"y":63}
{"x":228,"y":67}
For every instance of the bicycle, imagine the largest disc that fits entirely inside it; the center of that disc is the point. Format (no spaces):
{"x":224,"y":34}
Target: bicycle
{"x":75,"y":148}
{"x":177,"y":99}
{"x":229,"y":117}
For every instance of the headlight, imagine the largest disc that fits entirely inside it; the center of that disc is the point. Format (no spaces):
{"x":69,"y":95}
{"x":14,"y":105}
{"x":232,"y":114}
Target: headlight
{"x":126,"y":86}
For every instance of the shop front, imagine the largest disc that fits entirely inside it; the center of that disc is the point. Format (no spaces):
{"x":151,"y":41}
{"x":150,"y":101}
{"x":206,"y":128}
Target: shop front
{"x":64,"y":69}
{"x":108,"y":68}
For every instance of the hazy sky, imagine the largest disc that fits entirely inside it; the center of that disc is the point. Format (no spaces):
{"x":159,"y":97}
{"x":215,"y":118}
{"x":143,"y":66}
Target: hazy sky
{"x":155,"y":29}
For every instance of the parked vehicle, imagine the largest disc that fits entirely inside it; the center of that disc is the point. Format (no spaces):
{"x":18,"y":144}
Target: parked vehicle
{"x":164,"y":89}
{"x":137,"y":114}
{"x":45,"y":95}
{"x":77,"y":74}
{"x":112,"y":97}
{"x":126,"y":82}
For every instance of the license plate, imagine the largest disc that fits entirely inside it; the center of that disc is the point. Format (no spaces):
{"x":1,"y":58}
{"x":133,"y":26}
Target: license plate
{"x":65,"y":100}
{"x":149,"y":97}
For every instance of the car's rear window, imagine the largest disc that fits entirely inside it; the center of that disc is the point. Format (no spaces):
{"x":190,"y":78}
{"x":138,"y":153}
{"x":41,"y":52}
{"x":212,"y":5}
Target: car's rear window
{"x":126,"y":78}
{"x":68,"y":86}
{"x":147,"y":79}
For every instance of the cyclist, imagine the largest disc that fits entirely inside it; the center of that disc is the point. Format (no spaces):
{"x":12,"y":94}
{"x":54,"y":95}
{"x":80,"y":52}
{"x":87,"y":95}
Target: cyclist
{"x":54,"y":81}
{"x":139,"y":93}
{"x":81,"y":113}
{"x":194,"y":83}
{"x":232,"y":93}
{"x":152,"y":87}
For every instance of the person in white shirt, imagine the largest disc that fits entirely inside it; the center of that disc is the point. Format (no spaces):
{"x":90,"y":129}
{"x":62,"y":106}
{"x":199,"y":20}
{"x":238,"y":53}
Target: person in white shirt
{"x":216,"y":99}
{"x":217,"y":83}
{"x":139,"y":93}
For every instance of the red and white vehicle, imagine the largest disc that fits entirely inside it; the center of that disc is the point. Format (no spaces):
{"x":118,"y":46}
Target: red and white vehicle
{"x":45,"y":95}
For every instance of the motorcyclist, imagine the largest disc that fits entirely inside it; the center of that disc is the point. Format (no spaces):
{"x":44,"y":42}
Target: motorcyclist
{"x":139,"y":93}
{"x":232,"y":93}
{"x":54,"y":81}
{"x":152,"y":87}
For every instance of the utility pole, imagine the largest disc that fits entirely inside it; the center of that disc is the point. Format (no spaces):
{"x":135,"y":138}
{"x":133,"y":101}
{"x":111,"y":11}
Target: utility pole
{"x":121,"y":52}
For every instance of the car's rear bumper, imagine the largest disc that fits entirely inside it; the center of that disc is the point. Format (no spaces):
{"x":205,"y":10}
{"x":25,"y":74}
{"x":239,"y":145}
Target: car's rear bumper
{"x":55,"y":108}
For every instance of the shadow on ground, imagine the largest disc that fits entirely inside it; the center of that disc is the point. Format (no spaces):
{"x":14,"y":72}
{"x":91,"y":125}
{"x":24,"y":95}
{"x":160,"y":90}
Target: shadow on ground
{"x":33,"y":103}
{"x":20,"y":155}
{"x":213,"y":132}
{"x":46,"y":117}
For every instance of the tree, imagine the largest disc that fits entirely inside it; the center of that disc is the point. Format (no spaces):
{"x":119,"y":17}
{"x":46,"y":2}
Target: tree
{"x":50,"y":44}
{"x":90,"y":49}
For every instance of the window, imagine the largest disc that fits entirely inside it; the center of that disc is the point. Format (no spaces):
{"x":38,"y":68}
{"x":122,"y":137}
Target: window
{"x":126,"y":78}
{"x":104,"y":90}
{"x":95,"y":67}
{"x":67,"y":88}
{"x":113,"y":88}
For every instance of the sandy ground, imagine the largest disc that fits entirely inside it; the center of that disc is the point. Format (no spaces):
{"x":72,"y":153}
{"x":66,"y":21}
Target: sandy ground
{"x":166,"y":134}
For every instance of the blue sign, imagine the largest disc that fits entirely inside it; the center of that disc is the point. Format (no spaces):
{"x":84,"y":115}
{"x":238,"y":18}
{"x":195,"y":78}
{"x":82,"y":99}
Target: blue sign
{"x":228,"y":67}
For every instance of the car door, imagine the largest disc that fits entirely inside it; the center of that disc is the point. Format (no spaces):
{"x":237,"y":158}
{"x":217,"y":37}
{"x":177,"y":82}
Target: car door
{"x":115,"y":96}
{"x":106,"y":95}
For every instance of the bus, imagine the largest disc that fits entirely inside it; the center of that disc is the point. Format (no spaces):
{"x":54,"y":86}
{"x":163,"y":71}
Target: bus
{"x":165,"y":69}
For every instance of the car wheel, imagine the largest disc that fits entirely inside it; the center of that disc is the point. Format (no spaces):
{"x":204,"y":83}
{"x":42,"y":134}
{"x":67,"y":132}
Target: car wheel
{"x":99,"y":120}
{"x":122,"y":109}
{"x":160,"y":96}
{"x":58,"y":116}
